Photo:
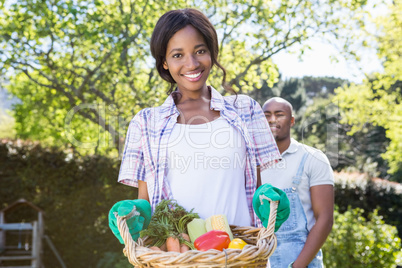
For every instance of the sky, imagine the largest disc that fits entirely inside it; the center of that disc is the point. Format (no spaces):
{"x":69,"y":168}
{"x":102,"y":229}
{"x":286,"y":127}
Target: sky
{"x":317,"y":62}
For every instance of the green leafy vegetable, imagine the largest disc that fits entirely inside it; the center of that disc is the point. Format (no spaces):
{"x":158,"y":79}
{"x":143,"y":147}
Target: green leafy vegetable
{"x":169,"y":220}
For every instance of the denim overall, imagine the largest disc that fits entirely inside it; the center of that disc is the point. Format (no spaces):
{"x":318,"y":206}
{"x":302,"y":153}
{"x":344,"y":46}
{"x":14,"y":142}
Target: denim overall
{"x":292,"y":235}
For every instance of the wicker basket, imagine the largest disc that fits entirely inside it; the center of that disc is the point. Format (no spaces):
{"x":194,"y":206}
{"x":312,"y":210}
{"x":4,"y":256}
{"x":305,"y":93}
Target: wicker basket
{"x":261,"y":244}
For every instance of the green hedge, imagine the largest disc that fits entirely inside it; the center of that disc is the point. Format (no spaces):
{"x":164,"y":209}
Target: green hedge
{"x":76,"y":194}
{"x":370,"y":195}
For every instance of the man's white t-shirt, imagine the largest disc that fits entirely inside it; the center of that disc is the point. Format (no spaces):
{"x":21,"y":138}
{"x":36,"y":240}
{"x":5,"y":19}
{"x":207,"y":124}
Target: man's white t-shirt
{"x":317,"y":171}
{"x":206,"y":170}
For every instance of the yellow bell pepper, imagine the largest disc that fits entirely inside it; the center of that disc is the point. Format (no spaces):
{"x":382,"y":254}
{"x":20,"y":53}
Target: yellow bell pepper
{"x":237,"y":243}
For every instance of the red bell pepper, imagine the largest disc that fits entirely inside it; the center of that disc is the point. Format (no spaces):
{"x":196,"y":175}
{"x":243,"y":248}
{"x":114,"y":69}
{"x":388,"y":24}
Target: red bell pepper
{"x":213,"y":239}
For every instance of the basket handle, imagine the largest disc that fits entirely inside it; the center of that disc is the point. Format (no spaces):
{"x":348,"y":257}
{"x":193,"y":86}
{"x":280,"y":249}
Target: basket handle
{"x":268,"y":232}
{"x":130,"y":244}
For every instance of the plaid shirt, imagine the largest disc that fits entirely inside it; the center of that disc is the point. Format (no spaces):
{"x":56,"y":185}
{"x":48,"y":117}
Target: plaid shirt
{"x":145,"y":153}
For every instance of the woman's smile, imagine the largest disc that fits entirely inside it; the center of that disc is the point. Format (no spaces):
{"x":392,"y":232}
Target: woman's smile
{"x":194,"y":76}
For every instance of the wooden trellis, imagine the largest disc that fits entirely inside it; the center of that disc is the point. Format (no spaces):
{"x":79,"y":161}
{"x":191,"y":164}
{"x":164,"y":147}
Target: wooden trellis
{"x":29,"y":237}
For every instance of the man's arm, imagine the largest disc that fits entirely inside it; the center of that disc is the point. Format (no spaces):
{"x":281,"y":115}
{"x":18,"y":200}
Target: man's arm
{"x":322,"y":199}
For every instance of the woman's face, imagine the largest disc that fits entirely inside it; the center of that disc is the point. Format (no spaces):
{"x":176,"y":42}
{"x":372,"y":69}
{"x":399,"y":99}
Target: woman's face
{"x":188,"y":59}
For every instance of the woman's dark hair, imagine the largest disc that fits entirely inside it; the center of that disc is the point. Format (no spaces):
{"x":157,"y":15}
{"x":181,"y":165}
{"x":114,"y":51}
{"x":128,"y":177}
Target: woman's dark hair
{"x":169,"y":24}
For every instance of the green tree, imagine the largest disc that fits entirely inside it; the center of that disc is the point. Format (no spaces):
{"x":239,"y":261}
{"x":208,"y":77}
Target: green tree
{"x":83,"y":68}
{"x":322,"y":86}
{"x":290,"y":89}
{"x":378,"y":100}
{"x":319,"y":127}
{"x":301,"y":92}
{"x":6,"y":125}
{"x":317,"y":124}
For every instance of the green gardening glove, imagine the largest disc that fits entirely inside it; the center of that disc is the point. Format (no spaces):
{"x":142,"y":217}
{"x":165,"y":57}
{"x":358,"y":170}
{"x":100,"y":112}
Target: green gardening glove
{"x":262,"y":206}
{"x":139,"y":215}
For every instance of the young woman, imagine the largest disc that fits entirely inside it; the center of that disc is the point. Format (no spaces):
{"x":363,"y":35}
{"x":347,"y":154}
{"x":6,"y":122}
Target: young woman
{"x":199,"y":148}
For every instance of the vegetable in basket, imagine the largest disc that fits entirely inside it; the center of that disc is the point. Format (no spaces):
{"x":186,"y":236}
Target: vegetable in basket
{"x":183,"y":231}
{"x":214,"y":239}
{"x":138,"y":213}
{"x":196,"y":228}
{"x":237,"y":243}
{"x":169,"y":225}
{"x":218,"y":222}
{"x":262,"y":206}
{"x":161,"y":231}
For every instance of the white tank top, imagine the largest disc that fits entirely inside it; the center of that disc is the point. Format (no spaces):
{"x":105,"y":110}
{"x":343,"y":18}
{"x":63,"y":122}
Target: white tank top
{"x":207,"y":170}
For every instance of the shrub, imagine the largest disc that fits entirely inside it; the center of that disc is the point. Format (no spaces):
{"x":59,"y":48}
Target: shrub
{"x":370,"y":194}
{"x":76,"y":194}
{"x":357,"y":242}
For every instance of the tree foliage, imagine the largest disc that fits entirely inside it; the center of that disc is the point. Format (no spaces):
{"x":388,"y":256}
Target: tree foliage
{"x":378,"y":100}
{"x":83,"y":68}
{"x":319,"y":127}
{"x":322,"y":86}
{"x":292,"y":90}
{"x":317,"y":124}
{"x":6,"y":125}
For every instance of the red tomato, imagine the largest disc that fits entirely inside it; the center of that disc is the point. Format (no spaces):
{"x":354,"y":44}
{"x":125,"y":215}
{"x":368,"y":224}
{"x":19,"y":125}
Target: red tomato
{"x":213,"y":239}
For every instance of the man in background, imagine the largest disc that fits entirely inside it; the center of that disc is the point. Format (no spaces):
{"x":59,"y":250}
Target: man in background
{"x":306,"y":177}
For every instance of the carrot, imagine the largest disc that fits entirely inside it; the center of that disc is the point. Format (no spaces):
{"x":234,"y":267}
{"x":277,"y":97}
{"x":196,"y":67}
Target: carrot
{"x":163,"y":247}
{"x":181,"y":229}
{"x":173,"y":244}
{"x":184,"y":247}
{"x":155,"y":248}
{"x":185,"y":236}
